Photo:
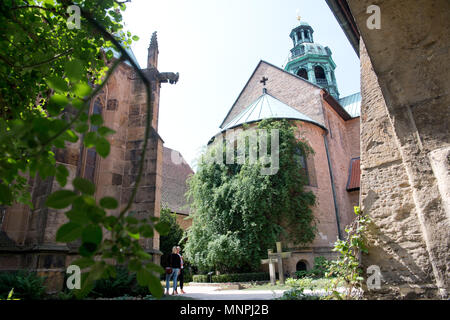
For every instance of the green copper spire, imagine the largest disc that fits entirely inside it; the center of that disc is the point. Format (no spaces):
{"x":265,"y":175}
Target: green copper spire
{"x":310,"y":60}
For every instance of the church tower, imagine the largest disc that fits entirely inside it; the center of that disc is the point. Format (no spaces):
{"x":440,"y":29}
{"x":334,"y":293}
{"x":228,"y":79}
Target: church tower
{"x":311,"y":60}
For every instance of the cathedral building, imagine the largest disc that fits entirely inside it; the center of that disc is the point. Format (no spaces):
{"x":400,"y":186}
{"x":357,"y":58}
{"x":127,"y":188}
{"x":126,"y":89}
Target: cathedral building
{"x":306,"y":93}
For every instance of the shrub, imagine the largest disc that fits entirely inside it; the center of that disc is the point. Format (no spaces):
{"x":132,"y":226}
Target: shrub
{"x":125,"y":283}
{"x":200,"y":278}
{"x":233,"y":277}
{"x":297,"y":294}
{"x":320,"y":269}
{"x":26,"y":284}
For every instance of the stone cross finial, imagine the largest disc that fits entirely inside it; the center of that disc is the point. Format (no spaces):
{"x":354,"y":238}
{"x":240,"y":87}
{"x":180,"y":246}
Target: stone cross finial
{"x":276,"y":258}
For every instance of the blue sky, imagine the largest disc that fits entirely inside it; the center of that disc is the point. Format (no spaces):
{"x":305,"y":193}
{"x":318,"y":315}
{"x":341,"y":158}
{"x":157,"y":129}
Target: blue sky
{"x":215,"y":45}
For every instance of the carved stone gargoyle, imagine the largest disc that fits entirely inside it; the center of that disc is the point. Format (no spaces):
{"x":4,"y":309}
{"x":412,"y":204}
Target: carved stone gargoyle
{"x":170,"y":77}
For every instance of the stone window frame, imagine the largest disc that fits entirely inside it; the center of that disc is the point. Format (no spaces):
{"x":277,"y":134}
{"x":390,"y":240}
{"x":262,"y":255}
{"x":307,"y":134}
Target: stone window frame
{"x":98,"y":159}
{"x":305,"y":262}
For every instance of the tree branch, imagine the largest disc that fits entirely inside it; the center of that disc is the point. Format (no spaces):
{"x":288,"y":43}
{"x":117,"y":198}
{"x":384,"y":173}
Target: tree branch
{"x":49,"y":60}
{"x":141,"y":75}
{"x":86,"y":103}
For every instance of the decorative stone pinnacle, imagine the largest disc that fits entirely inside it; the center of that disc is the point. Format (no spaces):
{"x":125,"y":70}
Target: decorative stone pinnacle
{"x":154,"y":41}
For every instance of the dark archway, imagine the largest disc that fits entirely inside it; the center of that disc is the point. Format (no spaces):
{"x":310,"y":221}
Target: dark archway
{"x":320,"y":75}
{"x":301,"y":266}
{"x":302,"y":73}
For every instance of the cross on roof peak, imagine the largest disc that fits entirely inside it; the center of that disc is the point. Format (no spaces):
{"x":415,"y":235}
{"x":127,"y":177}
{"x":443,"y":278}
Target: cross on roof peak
{"x":264,"y":80}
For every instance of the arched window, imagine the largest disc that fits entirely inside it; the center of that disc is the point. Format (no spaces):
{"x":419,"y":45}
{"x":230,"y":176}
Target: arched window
{"x":301,"y":266}
{"x":302,"y":73}
{"x":320,"y":75}
{"x":300,"y":159}
{"x":305,"y":32}
{"x":91,"y":154}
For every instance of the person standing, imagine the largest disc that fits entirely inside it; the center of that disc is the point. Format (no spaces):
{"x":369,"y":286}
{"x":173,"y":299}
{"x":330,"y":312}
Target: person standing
{"x":175,"y":264}
{"x":181,"y":276}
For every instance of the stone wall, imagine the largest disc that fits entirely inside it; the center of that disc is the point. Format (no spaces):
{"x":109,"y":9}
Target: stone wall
{"x":410,"y":61}
{"x":396,"y":242}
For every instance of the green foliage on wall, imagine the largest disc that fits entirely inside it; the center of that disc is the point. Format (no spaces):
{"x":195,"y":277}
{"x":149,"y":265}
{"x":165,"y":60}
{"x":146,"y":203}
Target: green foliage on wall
{"x":239,"y":213}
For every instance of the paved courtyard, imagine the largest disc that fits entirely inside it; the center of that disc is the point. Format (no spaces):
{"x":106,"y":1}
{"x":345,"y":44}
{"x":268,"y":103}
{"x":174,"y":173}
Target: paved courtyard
{"x":214,"y":293}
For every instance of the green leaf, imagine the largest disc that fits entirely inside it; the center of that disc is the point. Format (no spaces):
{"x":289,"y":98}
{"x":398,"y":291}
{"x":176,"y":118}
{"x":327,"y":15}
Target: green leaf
{"x":74,"y":70}
{"x":61,"y":199}
{"x":104,"y":131}
{"x":90,"y":139}
{"x":102,"y":146}
{"x":155,"y":287}
{"x":143,"y":255}
{"x":96,"y":120}
{"x":146,"y":231}
{"x":92,"y":234}
{"x":134,"y":235}
{"x":109,"y":203}
{"x":5,"y":195}
{"x":143,"y":277}
{"x":84,"y":185}
{"x":82,"y":128}
{"x":70,"y":136}
{"x":135,"y":38}
{"x":134,"y":265}
{"x":163,"y":228}
{"x":95,"y":214}
{"x":87,"y":249}
{"x":83,"y":262}
{"x":86,"y":286}
{"x":82,"y":89}
{"x":61,"y":175}
{"x":57,"y":101}
{"x":69,"y":232}
{"x":154,"y":267}
{"x":78,"y":216}
{"x":58,"y":84}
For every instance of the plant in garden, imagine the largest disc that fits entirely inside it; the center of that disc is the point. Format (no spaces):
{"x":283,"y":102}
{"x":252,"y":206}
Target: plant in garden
{"x":172,"y":238}
{"x":320,"y":268}
{"x":25,"y":285}
{"x":240,"y":213}
{"x":346,"y":269}
{"x":49,"y":75}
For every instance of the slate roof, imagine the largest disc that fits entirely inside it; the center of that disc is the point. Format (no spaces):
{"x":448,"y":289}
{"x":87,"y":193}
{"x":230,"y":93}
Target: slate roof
{"x":354,"y":174}
{"x":267,"y":107}
{"x":352,"y":104}
{"x":175,"y":171}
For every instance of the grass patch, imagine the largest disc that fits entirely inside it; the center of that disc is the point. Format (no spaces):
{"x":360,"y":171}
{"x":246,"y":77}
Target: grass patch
{"x":267,"y":286}
{"x":305,"y":283}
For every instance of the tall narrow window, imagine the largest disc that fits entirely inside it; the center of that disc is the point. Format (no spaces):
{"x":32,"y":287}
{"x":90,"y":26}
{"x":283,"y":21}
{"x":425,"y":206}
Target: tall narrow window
{"x":320,"y":76}
{"x":299,"y":158}
{"x":91,"y":154}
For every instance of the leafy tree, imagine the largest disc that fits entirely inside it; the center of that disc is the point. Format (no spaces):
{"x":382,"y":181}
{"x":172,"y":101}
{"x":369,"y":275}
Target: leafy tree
{"x":49,"y":73}
{"x":240,"y":213}
{"x":173,"y":237}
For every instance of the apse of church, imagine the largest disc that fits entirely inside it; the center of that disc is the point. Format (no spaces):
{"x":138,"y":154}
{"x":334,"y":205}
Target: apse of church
{"x":305,"y":92}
